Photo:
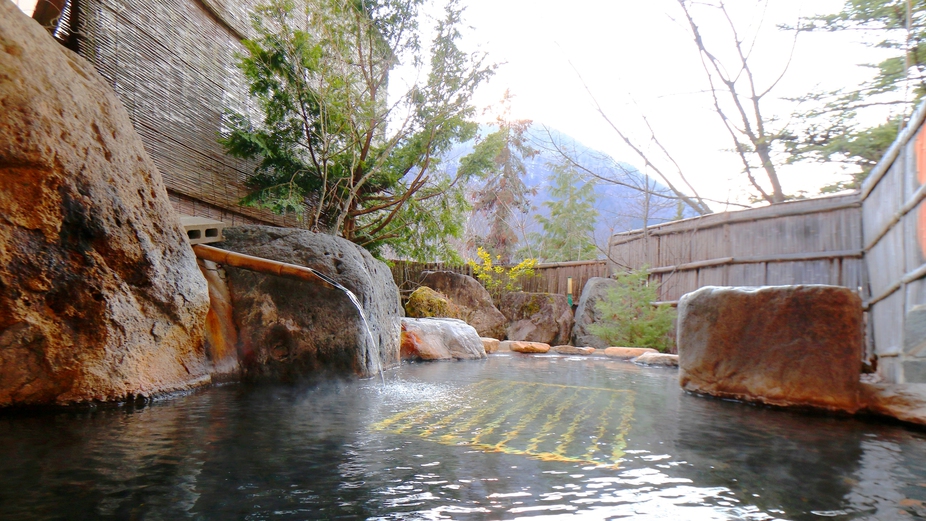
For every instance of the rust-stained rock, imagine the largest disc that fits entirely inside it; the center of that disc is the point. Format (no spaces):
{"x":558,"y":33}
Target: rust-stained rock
{"x":490,"y":344}
{"x":471,"y":299}
{"x":572,"y":350}
{"x":100,"y":296}
{"x":664,"y":359}
{"x":626,"y":353}
{"x":440,"y":339}
{"x":783,"y":345}
{"x":528,"y":347}
{"x":221,"y":334}
{"x":537,"y":317}
{"x":425,"y":302}
{"x":291,"y":329}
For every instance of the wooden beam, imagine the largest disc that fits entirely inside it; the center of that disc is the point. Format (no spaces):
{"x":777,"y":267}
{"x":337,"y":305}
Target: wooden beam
{"x":878,"y":172}
{"x":787,"y":257}
{"x":909,"y":277}
{"x":917,"y":198}
{"x":570,"y":263}
{"x":693,"y":265}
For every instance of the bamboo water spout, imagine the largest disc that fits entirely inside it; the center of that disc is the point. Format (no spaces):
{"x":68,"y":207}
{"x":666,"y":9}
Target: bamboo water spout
{"x":272,"y":267}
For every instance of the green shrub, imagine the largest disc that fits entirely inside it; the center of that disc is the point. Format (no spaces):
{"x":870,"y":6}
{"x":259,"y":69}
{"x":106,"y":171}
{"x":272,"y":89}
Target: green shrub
{"x":628,"y":317}
{"x":499,"y":279}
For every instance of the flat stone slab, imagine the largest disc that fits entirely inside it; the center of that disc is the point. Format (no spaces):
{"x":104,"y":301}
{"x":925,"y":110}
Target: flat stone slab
{"x":572,"y":350}
{"x":906,"y":402}
{"x":490,"y":344}
{"x":626,"y":353}
{"x":781,"y":345}
{"x":528,"y":347}
{"x":663,"y":359}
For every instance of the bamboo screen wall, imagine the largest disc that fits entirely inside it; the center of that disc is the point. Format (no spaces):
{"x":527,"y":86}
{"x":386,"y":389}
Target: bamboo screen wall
{"x":894,"y":233}
{"x":172,"y":64}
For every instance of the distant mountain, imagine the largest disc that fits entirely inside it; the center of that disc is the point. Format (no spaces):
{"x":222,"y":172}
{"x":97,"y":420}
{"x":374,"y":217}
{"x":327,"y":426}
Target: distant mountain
{"x":620,"y":208}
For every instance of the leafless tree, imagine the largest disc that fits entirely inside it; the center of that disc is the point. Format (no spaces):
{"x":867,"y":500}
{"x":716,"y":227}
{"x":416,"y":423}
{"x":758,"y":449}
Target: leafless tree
{"x":738,"y":99}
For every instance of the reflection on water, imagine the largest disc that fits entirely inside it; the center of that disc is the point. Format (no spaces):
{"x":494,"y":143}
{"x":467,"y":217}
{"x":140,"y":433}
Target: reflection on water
{"x":511,"y":437}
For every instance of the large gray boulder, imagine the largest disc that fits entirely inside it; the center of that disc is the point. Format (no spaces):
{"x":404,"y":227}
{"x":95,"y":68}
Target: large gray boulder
{"x":471,"y":299}
{"x":782,"y":345}
{"x":440,"y":339}
{"x":289,"y":329}
{"x":595,"y":289}
{"x":537,"y":317}
{"x":100,"y":295}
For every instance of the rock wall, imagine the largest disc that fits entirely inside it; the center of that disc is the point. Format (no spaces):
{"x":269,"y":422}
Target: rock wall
{"x":100,"y":296}
{"x":537,"y":317}
{"x":290,"y":329}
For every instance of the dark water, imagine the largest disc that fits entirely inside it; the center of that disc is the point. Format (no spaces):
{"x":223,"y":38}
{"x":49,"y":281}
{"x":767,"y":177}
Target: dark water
{"x":513,"y":437}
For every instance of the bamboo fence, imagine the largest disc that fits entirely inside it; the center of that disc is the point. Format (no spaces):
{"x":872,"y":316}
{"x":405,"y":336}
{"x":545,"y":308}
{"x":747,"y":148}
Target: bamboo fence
{"x":816,"y":241}
{"x":894,"y":242}
{"x":554,"y":277}
{"x":548,"y":278}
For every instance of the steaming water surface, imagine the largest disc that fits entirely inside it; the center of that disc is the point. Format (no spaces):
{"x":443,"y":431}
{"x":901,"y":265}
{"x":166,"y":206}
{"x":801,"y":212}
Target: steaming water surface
{"x":512,"y":437}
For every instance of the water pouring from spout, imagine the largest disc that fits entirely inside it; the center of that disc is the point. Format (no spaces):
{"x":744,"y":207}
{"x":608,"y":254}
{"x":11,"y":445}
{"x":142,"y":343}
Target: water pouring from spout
{"x":356,"y":302}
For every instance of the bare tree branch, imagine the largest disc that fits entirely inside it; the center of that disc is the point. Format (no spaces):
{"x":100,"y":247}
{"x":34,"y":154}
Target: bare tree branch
{"x":753,"y":122}
{"x":700,"y":208}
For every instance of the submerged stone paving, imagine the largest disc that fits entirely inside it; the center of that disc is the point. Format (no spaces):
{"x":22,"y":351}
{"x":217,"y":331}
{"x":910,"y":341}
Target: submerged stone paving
{"x":550,"y":422}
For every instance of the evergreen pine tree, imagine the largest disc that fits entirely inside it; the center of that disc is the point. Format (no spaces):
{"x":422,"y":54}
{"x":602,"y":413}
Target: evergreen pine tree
{"x":568,"y":233}
{"x":629,"y":317}
{"x":499,"y":160}
{"x":830,"y":130}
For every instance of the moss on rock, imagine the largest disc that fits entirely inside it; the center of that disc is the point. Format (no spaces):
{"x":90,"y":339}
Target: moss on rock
{"x":425,"y":302}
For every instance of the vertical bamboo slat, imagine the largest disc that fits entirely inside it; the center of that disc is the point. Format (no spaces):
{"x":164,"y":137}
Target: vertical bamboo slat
{"x":802,"y":242}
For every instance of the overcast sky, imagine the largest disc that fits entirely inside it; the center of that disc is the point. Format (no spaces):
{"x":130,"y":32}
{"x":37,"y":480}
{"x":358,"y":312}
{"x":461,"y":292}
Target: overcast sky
{"x":636,"y":57}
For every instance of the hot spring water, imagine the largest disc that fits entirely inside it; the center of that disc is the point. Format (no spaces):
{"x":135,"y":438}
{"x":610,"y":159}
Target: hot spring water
{"x":545,"y":437}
